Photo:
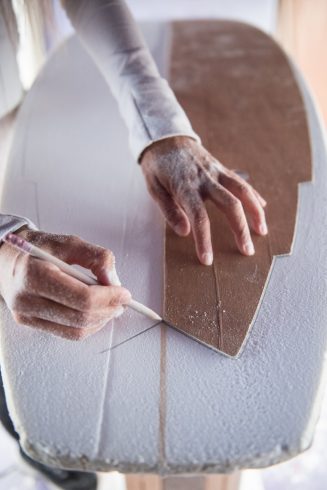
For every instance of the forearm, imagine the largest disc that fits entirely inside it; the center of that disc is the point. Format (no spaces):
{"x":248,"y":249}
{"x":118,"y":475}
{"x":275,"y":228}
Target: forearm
{"x":147,"y":104}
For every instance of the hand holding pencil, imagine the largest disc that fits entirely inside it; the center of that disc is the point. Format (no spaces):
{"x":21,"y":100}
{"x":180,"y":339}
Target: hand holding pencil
{"x":50,"y":294}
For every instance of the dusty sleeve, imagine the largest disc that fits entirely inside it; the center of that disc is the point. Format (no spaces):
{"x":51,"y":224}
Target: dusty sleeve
{"x":146,"y":102}
{"x":11,"y":223}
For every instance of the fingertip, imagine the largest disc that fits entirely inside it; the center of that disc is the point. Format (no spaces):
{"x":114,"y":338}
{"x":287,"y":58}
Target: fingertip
{"x":248,"y":248}
{"x":207,"y":258}
{"x":263,"y":230}
{"x":125,"y":296}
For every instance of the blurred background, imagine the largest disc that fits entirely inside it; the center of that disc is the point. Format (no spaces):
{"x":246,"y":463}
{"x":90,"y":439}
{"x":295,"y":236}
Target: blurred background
{"x":300,"y":26}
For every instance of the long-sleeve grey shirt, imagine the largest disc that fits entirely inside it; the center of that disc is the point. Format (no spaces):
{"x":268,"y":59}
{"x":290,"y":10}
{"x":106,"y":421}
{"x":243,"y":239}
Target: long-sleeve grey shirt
{"x":146,"y":102}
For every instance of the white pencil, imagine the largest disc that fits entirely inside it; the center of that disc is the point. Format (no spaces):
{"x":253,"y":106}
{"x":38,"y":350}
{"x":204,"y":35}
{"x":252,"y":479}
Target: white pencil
{"x":27,"y":247}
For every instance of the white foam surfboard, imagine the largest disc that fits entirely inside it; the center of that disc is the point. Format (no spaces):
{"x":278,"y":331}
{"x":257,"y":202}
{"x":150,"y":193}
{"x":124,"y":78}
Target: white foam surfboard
{"x":160,"y":401}
{"x":11,"y":90}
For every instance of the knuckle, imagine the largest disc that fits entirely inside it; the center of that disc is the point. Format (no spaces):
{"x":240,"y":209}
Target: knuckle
{"x":117,"y":299}
{"x":243,"y":231}
{"x":85,"y":319}
{"x":87,"y":300}
{"x":30,"y":265}
{"x":18,"y":302}
{"x":235,"y":205}
{"x":100,"y":255}
{"x":57,"y":242}
{"x":199,"y":216}
{"x":201,"y":222}
{"x":48,"y":268}
{"x":106,"y":255}
{"x":35,"y":270}
{"x":73,"y":239}
{"x":19,"y":318}
{"x":243,"y":189}
{"x":30,"y":275}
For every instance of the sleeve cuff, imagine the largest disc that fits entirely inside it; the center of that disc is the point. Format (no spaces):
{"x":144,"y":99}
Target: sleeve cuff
{"x":11,"y":223}
{"x":140,"y":152}
{"x":157,"y":115}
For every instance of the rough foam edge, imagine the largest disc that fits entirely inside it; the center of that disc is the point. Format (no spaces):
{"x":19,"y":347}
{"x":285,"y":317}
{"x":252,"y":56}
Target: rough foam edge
{"x":314,"y":116}
{"x":306,"y":95}
{"x":53,"y":457}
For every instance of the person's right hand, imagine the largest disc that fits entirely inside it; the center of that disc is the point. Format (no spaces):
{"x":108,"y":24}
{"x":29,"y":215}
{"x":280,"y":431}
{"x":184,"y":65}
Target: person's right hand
{"x":40,"y":295}
{"x":181,"y":174}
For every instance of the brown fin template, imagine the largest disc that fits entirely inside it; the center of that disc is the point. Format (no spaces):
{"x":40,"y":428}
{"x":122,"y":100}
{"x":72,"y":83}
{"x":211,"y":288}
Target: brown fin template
{"x":238,"y":89}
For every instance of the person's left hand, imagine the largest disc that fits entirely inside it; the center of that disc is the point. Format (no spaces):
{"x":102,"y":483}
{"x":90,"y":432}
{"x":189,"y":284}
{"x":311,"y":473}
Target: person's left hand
{"x":180,"y":174}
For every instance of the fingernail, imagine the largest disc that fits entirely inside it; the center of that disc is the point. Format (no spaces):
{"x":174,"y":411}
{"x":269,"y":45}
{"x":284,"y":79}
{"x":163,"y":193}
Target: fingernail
{"x":207,"y":258}
{"x":263,"y":229}
{"x":113,"y":277}
{"x":249,"y":248}
{"x":119,"y":311}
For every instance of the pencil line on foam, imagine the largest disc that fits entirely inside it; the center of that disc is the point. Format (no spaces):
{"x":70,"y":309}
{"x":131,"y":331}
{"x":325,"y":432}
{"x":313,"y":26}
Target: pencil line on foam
{"x":27,"y":247}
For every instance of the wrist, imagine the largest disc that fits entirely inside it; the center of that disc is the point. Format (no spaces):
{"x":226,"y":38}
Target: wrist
{"x":166,"y":144}
{"x":23,"y":231}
